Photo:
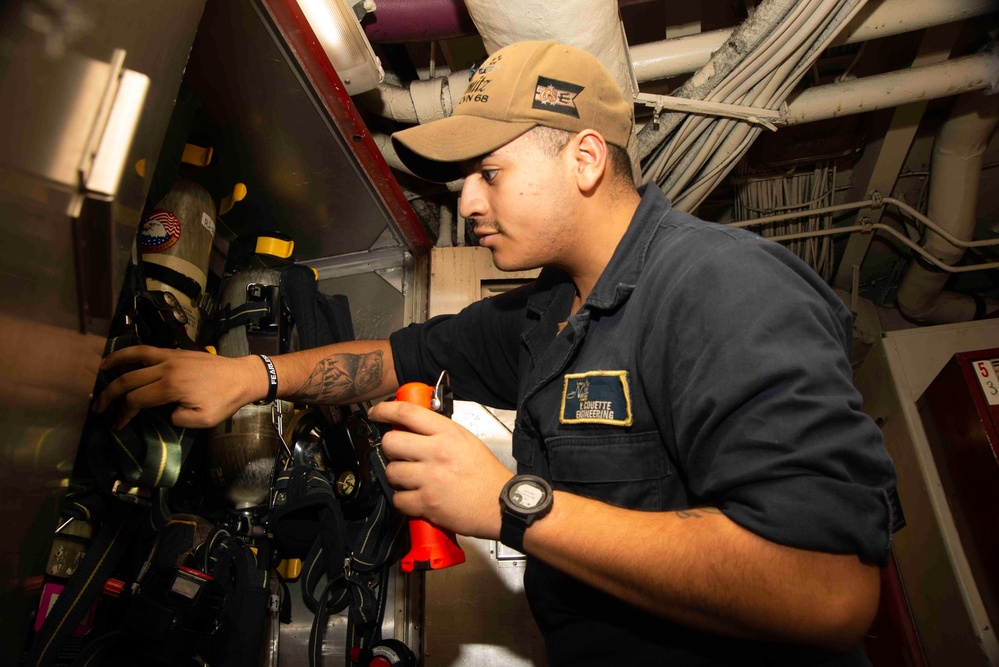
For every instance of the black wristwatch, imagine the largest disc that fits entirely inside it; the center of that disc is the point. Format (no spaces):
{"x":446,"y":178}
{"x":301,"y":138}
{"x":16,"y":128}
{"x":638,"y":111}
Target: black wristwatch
{"x":524,"y":500}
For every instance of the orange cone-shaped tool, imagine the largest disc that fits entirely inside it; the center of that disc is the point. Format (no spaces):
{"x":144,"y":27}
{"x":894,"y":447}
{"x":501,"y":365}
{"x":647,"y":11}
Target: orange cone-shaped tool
{"x":431,"y":548}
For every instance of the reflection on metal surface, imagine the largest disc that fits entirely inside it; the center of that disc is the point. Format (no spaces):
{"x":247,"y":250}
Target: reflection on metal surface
{"x":56,"y":81}
{"x":354,"y":263}
{"x":109,"y":159}
{"x":477,"y":614}
{"x":301,"y":176}
{"x":51,"y":107}
{"x":46,"y":376}
{"x":240,"y":454}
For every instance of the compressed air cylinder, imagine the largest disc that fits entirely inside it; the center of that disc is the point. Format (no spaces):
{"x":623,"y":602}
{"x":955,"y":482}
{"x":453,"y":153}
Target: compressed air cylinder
{"x":175,"y":240}
{"x":241,"y":450}
{"x":259,"y":288}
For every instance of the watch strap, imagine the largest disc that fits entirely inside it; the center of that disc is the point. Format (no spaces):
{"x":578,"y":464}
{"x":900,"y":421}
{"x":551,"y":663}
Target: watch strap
{"x":512,"y":531}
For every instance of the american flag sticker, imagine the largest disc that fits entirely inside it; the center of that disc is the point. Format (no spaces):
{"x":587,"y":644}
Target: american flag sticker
{"x":160,"y":230}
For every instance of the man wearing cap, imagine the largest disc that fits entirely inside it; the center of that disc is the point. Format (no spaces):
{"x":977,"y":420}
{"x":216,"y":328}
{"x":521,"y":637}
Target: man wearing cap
{"x":697,"y":484}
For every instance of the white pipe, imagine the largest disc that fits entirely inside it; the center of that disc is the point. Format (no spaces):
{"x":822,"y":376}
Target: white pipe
{"x":384,"y":144}
{"x":420,"y":102}
{"x":951,"y":77}
{"x":446,"y":218}
{"x":591,"y":25}
{"x":659,"y":60}
{"x":955,"y":173}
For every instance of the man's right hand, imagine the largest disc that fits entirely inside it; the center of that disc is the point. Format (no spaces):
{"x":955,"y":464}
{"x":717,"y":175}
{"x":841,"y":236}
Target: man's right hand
{"x":206,"y":388}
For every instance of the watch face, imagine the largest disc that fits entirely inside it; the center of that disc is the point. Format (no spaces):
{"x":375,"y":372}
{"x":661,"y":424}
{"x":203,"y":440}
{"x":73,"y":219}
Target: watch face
{"x":527,"y":495}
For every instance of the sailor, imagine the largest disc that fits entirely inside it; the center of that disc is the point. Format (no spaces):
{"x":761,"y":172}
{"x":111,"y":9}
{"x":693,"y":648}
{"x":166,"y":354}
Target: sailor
{"x":697,"y":483}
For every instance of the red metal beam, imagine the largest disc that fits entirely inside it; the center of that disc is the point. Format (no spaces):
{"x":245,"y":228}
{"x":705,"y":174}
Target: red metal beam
{"x":303,"y":44}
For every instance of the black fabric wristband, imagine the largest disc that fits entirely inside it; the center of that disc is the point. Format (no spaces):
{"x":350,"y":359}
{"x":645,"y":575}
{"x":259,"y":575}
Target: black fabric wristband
{"x":271,"y":378}
{"x":512,"y":535}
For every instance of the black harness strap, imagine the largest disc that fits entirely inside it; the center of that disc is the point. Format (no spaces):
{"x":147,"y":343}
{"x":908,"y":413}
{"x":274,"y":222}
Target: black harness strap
{"x":251,"y":311}
{"x":175,"y":279}
{"x":100,"y":561}
{"x":353,"y":558}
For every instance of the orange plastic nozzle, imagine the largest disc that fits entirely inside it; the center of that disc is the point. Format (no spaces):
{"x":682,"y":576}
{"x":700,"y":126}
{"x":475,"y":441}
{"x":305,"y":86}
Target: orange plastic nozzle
{"x":431,"y":548}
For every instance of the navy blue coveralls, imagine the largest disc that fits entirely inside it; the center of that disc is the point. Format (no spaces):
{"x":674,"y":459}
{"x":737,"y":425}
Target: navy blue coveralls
{"x":708,"y":367}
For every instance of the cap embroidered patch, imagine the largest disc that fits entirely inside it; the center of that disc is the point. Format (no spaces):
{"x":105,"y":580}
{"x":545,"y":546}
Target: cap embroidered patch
{"x":596,"y":397}
{"x":557,"y":96}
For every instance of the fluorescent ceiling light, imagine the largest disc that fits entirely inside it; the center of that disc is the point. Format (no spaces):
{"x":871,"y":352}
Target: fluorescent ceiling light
{"x":342,"y":38}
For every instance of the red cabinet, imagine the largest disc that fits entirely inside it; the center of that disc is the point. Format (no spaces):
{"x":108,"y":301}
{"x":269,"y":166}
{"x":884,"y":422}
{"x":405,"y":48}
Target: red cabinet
{"x":960,"y":412}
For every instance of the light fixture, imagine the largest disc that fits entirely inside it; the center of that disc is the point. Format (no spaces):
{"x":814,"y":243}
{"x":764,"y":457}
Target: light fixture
{"x":339,"y":32}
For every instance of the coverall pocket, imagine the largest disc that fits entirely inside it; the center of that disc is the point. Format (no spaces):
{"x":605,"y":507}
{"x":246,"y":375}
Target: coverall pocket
{"x":624,"y":469}
{"x":524,"y":446}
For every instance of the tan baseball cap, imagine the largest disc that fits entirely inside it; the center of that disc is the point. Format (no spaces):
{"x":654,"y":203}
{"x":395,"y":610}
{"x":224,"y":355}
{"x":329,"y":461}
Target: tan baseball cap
{"x":519,"y":87}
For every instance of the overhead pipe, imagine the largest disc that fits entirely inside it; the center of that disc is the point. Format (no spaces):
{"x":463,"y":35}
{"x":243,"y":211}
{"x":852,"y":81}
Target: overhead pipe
{"x":435,"y":98}
{"x":970,"y":73}
{"x":401,"y":21}
{"x":692,"y":154}
{"x":955,"y":172}
{"x":501,"y":24}
{"x":419,"y":102}
{"x":927,"y":82}
{"x":655,"y":61}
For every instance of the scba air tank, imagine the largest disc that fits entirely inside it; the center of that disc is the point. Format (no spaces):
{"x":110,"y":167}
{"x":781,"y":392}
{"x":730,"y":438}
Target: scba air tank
{"x":241,"y":450}
{"x":175,"y":240}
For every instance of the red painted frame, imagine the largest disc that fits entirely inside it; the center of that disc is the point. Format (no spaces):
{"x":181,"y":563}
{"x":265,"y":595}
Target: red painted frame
{"x":301,"y":40}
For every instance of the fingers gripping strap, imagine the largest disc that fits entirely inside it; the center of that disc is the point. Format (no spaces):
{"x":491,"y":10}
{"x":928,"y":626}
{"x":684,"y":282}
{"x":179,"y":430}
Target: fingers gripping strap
{"x":271,"y":378}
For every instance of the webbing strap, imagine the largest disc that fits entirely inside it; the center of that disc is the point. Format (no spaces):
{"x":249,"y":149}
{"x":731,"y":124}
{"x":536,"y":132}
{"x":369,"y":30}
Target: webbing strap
{"x":150,"y":451}
{"x":230,"y":318}
{"x":100,"y":561}
{"x":175,"y":279}
{"x":378,"y":464}
{"x":355,"y":579}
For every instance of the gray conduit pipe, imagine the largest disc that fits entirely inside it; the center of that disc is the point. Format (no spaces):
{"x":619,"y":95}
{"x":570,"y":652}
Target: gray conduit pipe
{"x":742,"y":43}
{"x":654,"y":61}
{"x":955,"y":172}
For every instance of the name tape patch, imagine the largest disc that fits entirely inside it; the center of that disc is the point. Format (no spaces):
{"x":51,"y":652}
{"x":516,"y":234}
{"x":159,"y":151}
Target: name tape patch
{"x":596,"y":397}
{"x":557,"y":96}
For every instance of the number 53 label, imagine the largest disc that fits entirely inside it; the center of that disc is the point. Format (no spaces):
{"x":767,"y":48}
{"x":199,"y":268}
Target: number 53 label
{"x":989,"y":379}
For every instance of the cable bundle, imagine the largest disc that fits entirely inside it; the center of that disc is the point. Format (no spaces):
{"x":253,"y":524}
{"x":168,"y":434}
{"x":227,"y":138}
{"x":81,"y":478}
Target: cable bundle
{"x":758,"y":196}
{"x":688,"y":155}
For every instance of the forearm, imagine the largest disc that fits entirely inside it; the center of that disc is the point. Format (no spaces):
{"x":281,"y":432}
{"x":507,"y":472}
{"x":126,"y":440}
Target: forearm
{"x":700,"y":569}
{"x":337,"y":374}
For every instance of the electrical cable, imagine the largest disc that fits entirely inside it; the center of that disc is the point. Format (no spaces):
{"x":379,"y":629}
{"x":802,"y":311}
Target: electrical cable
{"x":697,"y":152}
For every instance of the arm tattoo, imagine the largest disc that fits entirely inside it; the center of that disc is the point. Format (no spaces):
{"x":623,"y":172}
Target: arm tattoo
{"x":341,"y":377}
{"x":697,"y":512}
